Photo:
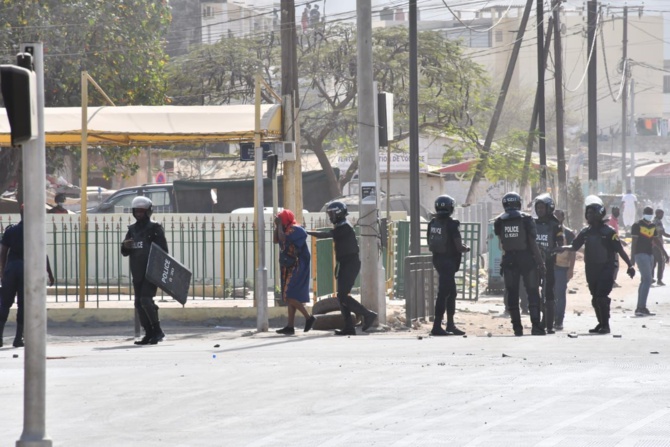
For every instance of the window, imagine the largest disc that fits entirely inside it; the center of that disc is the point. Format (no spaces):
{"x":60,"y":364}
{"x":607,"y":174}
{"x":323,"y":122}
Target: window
{"x":207,"y":11}
{"x":499,"y":36}
{"x":666,"y":84}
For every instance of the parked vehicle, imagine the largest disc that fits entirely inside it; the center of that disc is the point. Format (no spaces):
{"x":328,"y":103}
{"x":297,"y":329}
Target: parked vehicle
{"x":162,"y":196}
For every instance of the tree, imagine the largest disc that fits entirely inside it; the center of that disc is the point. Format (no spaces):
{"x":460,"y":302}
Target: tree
{"x":449,"y":92}
{"x":120,"y":44}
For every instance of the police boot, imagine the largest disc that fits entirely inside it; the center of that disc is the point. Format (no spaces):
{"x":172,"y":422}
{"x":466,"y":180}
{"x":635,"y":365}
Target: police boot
{"x":157,"y":333}
{"x":549,"y":313}
{"x":2,"y":330}
{"x":596,"y":329}
{"x":604,"y":315}
{"x":18,"y":340}
{"x":437,"y":328}
{"x":369,"y":316}
{"x":348,"y":320}
{"x":451,"y":327}
{"x":516,"y":322}
{"x":537,"y":328}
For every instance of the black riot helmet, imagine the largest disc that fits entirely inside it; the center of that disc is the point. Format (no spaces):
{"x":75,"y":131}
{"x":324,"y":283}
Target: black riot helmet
{"x":548,"y":202}
{"x":596,"y":204}
{"x":511,"y":201}
{"x":444,"y":206}
{"x":336,"y":212}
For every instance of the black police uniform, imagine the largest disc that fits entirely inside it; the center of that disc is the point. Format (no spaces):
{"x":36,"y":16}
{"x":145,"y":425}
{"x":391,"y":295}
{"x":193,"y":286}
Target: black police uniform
{"x":348,"y":267}
{"x":515,"y":229}
{"x":143,"y":233}
{"x":601,"y":245}
{"x":12,"y":278}
{"x":441,"y":233}
{"x":549,"y":237}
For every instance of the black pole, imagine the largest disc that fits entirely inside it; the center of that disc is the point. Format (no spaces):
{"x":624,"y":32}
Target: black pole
{"x":560,"y":120}
{"x":414,"y":212}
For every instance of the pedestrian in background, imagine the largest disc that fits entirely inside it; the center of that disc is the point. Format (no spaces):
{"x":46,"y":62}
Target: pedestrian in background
{"x":564,"y":268}
{"x":137,"y":245}
{"x":660,"y":255}
{"x":348,"y":267}
{"x":294,"y":261}
{"x":629,"y":209}
{"x":601,"y":245}
{"x":642,"y":254}
{"x":446,"y":244}
{"x":521,"y":259}
{"x":11,"y":275}
{"x":58,"y":209}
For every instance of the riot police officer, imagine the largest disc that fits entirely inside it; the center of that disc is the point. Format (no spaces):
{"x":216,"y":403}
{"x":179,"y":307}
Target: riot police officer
{"x":348,"y":266}
{"x":137,"y":245}
{"x":601,"y":245}
{"x":549,"y":237}
{"x":446,"y":244}
{"x":521,"y":259}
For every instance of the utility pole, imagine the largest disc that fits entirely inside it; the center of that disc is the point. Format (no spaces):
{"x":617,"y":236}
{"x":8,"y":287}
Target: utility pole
{"x":592,"y":18}
{"x":560,"y":108}
{"x":533,"y":121}
{"x":625,"y":181}
{"x":632,"y":135}
{"x":368,"y":169}
{"x":541,"y":95}
{"x":35,"y":318}
{"x":290,"y":101}
{"x":414,"y":193}
{"x":499,"y":105}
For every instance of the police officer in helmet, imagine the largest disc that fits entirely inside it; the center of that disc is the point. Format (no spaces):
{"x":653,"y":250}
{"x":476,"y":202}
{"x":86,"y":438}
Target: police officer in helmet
{"x":446,"y":244}
{"x":521,"y":259}
{"x":549,"y":237}
{"x":601,"y":245}
{"x":348,"y":267}
{"x":136,"y":246}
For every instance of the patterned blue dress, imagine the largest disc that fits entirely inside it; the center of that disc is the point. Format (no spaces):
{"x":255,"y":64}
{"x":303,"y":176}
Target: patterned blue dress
{"x":295,"y":279}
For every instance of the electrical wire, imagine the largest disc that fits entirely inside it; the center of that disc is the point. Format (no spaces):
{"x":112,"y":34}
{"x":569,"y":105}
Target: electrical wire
{"x":502,"y":16}
{"x":623,"y":74}
{"x":588,"y":61}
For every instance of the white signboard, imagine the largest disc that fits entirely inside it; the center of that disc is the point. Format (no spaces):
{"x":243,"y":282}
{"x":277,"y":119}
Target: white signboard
{"x":399,"y":161}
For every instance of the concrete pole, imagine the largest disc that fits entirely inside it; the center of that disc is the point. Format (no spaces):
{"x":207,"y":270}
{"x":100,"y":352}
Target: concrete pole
{"x":562,"y":196}
{"x":34,"y":283}
{"x":633,"y":131}
{"x":261,"y":280}
{"x":368,"y":169}
{"x":625,"y":183}
{"x":592,"y":94}
{"x":289,"y":92}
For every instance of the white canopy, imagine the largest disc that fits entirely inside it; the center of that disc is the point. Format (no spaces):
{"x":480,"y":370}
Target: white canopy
{"x":143,"y":125}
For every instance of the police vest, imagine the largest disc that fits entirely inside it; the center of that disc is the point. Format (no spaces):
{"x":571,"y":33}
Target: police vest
{"x":438,"y":237}
{"x":545,"y":235}
{"x":513,"y":236}
{"x":595,"y":245}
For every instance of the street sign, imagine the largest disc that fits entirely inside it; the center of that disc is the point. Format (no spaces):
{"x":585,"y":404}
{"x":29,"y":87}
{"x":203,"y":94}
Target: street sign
{"x":168,"y":274}
{"x":247,"y":151}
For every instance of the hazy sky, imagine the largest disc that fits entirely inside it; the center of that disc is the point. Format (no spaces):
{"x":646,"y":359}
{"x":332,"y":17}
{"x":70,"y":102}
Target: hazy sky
{"x":435,"y":9}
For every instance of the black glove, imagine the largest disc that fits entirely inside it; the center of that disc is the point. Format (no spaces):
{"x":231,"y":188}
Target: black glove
{"x":631,"y":272}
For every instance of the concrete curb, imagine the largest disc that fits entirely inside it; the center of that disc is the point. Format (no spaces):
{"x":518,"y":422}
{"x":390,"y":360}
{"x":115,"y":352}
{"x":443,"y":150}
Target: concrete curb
{"x":210,"y":316}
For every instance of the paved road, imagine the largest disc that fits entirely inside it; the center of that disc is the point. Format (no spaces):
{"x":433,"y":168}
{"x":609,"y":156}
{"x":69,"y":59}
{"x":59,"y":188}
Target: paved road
{"x":233,"y":387}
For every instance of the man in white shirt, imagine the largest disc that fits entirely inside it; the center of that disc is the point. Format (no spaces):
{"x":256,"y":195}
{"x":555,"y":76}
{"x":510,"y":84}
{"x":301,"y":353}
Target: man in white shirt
{"x":628,"y":207}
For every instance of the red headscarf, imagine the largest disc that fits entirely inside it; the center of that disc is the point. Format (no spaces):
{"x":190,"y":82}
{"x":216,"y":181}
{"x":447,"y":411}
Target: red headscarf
{"x":287,"y":218}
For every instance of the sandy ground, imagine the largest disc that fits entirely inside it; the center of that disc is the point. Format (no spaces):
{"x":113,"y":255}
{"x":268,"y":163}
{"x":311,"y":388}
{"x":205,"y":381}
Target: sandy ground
{"x":485,"y":315}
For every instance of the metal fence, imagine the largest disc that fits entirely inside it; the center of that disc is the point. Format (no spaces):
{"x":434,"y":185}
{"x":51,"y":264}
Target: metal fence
{"x":220,"y":250}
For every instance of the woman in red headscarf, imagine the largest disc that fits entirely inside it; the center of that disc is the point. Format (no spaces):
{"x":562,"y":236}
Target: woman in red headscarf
{"x":294,"y":259}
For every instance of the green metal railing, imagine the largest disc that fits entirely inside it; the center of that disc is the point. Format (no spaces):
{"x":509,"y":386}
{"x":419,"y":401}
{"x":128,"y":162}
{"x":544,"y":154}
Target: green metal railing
{"x":220,"y":250}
